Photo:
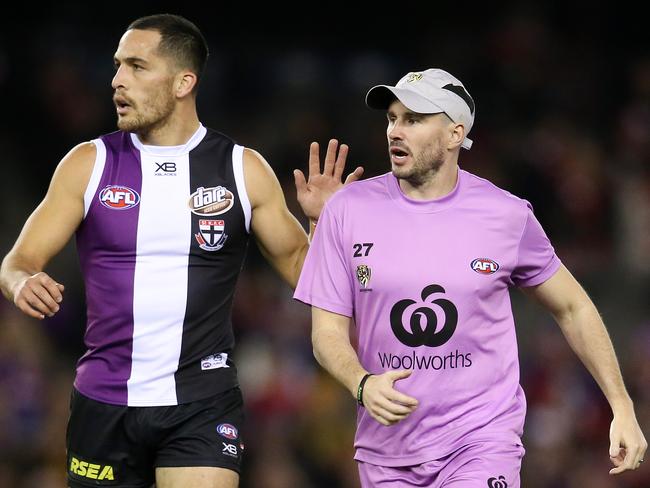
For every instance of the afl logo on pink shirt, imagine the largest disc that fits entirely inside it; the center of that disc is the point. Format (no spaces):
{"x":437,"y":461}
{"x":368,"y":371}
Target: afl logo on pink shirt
{"x":484,"y":266}
{"x":119,"y":197}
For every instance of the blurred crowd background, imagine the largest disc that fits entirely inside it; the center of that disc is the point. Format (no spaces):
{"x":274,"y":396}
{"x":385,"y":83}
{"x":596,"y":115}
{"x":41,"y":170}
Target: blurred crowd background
{"x":563,"y":120}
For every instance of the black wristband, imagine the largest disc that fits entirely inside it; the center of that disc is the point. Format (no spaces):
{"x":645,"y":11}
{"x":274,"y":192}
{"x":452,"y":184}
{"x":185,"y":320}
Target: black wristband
{"x":360,"y":388}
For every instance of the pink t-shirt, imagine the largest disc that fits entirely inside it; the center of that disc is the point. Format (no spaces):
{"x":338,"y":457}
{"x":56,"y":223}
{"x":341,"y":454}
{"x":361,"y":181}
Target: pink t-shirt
{"x":426,"y":283}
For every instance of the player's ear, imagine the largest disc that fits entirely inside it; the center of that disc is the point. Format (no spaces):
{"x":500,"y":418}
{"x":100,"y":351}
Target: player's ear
{"x":456,"y":135}
{"x":184,"y":83}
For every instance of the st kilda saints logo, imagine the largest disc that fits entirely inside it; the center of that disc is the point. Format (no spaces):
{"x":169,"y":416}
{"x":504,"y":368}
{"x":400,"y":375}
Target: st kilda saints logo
{"x":211,"y":236}
{"x":427,"y":333}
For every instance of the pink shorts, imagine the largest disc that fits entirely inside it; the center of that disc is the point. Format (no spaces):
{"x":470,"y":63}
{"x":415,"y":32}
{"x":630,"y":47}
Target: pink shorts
{"x":480,"y":465}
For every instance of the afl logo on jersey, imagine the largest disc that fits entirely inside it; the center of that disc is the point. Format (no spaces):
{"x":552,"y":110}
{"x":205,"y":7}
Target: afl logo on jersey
{"x":484,"y":266}
{"x":119,"y":197}
{"x":211,"y":201}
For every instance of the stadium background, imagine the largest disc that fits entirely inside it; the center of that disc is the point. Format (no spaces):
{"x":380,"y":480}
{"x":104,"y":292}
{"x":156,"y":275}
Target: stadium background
{"x":563,"y":120}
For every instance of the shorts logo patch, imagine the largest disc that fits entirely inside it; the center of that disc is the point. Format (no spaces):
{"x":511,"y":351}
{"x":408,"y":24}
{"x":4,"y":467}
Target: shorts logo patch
{"x":229,"y":449}
{"x":101,"y":474}
{"x":211,"y":201}
{"x":119,"y":197}
{"x":228,"y":431}
{"x":499,"y":482}
{"x":211,"y":236}
{"x":484,"y":266}
{"x":215,"y":361}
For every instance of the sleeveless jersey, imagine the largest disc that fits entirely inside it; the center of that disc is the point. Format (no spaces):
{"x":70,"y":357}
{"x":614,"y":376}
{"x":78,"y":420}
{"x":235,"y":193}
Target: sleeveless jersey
{"x":161,"y":245}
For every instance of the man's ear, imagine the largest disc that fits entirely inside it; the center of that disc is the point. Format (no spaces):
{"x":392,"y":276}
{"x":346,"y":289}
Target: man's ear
{"x":457,"y":135}
{"x":185,"y":83}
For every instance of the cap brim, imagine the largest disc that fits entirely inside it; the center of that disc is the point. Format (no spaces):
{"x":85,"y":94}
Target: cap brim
{"x":381,"y":96}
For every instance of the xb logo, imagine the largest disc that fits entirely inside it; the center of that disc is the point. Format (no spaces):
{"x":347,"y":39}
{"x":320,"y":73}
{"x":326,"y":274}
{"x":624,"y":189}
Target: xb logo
{"x":166,"y":167}
{"x":427,"y":335}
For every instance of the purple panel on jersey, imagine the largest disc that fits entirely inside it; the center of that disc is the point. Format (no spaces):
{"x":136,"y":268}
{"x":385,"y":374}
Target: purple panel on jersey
{"x":106,"y":242}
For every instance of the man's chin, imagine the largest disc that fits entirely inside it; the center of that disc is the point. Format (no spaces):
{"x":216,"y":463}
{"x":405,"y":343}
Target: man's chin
{"x":128,"y":125}
{"x":400,"y":173}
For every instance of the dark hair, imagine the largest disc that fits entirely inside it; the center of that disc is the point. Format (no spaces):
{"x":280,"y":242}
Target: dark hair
{"x":180,"y":39}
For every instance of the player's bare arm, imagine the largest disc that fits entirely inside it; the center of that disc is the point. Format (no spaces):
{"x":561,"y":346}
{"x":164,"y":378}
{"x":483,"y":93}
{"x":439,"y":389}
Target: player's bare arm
{"x":279,"y":235}
{"x":333,"y":351}
{"x":45,"y":233}
{"x":583,"y":328}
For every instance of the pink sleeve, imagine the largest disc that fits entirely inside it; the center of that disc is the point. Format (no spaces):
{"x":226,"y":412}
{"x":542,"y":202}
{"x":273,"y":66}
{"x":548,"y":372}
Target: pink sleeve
{"x":537,"y":260}
{"x":325,"y":278}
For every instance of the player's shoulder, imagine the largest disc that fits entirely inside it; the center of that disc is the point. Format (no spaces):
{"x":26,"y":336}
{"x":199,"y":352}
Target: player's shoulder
{"x":492,"y":195}
{"x":80,"y":157}
{"x":74,"y":170}
{"x":257,"y":169}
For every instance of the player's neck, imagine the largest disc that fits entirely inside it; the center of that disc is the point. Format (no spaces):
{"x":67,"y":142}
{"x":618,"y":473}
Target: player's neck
{"x":175,"y":131}
{"x":441,"y":184}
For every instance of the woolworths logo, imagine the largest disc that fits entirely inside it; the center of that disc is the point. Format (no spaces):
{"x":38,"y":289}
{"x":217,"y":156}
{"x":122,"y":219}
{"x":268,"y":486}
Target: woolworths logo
{"x":415,"y":323}
{"x":452,"y":360}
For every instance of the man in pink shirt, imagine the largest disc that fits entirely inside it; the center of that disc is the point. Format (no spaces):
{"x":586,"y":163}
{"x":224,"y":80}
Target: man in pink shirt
{"x":422,"y":258}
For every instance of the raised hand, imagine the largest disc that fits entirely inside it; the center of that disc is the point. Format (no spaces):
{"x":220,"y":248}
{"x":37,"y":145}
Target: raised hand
{"x":314,"y":191}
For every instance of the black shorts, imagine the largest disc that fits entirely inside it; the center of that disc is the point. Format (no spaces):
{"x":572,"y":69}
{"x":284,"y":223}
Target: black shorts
{"x":113,"y":445}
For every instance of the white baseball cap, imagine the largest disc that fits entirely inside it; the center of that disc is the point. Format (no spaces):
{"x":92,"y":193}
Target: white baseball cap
{"x":428,"y":92}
